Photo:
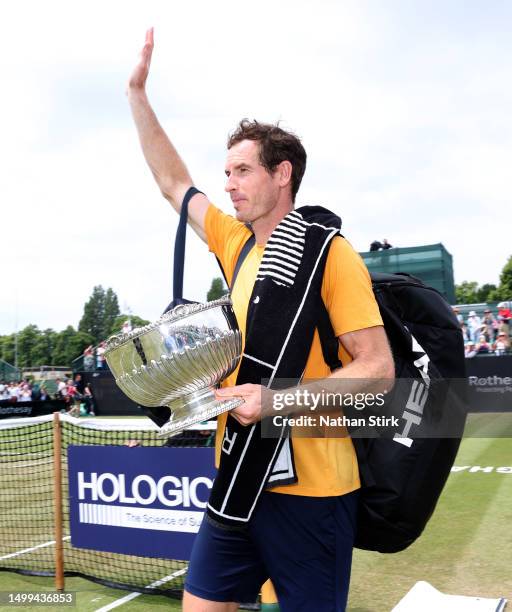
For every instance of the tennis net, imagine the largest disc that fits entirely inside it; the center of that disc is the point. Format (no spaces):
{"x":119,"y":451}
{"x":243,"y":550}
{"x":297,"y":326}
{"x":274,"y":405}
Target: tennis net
{"x":27,"y":501}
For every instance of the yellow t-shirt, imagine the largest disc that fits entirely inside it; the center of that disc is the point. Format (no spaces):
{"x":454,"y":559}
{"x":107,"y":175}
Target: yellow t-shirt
{"x":324,"y":466}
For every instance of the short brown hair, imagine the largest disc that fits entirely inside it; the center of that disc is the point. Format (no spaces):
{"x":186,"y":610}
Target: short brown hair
{"x":276,"y":146}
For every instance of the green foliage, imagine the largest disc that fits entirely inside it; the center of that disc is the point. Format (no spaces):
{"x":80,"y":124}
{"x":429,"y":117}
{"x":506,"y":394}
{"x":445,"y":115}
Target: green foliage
{"x":35,"y":347}
{"x":7,"y":344}
{"x":44,"y":346}
{"x":484,"y":292}
{"x":27,"y":339}
{"x":217,"y":290}
{"x":466,"y":292}
{"x":504,"y":291}
{"x":100,"y":312}
{"x":69,"y":344}
{"x":120,"y":320}
{"x":48,"y":347}
{"x":111,"y":311}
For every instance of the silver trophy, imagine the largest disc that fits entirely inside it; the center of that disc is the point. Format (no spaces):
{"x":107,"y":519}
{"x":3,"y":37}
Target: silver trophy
{"x":178,"y":360}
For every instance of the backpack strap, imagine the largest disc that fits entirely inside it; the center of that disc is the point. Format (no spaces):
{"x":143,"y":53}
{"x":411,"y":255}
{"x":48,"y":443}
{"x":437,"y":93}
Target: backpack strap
{"x":179,"y":252}
{"x":328,"y":341}
{"x":251,"y":241}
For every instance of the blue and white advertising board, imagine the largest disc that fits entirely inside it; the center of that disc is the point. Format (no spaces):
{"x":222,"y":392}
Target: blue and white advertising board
{"x":138,"y":501}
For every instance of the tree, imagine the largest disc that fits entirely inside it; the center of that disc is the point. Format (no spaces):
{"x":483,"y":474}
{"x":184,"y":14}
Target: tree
{"x":466,"y":292}
{"x":484,"y":292}
{"x":504,"y":290}
{"x":111,"y":311}
{"x":7,"y":344}
{"x":217,"y":290}
{"x":100,"y":312}
{"x":69,"y":345}
{"x":505,"y":287}
{"x":44,"y":347}
{"x":27,"y":340}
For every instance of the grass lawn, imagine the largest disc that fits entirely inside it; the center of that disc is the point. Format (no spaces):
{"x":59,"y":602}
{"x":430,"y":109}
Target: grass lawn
{"x":465,"y":548}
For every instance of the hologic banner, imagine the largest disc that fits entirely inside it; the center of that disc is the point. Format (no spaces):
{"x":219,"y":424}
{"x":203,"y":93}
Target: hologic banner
{"x":147,"y":502}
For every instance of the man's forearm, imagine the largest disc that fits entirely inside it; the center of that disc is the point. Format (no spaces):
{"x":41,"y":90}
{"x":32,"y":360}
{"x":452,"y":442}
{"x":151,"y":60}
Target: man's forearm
{"x":372,"y":377}
{"x":167,"y":167}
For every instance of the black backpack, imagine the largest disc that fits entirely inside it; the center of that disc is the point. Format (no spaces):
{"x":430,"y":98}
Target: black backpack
{"x":401,"y":480}
{"x":402,"y":476}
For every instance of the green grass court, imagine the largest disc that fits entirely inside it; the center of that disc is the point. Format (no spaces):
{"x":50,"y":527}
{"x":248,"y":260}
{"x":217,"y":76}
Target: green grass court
{"x":465,"y":549}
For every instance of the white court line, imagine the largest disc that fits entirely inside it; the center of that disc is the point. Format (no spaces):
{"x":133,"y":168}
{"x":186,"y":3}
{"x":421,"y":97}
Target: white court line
{"x":127,"y":598}
{"x":27,"y":550}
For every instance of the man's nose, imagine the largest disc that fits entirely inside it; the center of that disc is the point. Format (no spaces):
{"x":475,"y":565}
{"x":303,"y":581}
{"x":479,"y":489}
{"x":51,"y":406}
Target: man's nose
{"x":230,"y":184}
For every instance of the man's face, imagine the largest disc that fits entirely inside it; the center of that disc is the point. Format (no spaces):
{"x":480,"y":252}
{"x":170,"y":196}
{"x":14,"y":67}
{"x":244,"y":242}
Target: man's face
{"x":253,"y":191}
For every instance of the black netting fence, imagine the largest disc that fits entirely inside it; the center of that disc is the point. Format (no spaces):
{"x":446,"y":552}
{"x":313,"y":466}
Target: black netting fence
{"x":27,"y":542}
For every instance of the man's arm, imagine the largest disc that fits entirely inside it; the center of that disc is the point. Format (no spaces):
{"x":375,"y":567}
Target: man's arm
{"x":371,"y":370}
{"x":167,"y":167}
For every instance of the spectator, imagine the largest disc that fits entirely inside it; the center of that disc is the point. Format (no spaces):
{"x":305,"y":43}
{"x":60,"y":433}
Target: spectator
{"x":62,"y":391}
{"x":474,"y":326}
{"x":89,"y":358}
{"x":36,"y":392}
{"x":469,"y":349}
{"x":25,"y":393}
{"x":79,"y":384}
{"x":502,"y":344}
{"x":456,"y":312}
{"x":375,"y":245}
{"x":482,"y":346}
{"x":386,"y":245}
{"x":89,"y":400}
{"x":73,"y":398}
{"x":465,"y":332}
{"x":101,"y":363}
{"x":489,"y":325}
{"x":504,"y":311}
{"x":14,"y":392}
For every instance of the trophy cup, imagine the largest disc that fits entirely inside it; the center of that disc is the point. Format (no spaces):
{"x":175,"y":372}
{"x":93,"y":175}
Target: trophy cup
{"x":178,"y":360}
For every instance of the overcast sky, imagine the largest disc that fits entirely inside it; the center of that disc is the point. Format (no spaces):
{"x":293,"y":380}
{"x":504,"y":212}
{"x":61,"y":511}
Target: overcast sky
{"x":404,"y":108}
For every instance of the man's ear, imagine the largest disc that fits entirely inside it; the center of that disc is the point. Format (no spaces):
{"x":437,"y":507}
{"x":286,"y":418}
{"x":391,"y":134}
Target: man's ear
{"x":284,"y":173}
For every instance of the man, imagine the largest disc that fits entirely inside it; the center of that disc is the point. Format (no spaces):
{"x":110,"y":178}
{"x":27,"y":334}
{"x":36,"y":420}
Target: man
{"x":299,"y":534}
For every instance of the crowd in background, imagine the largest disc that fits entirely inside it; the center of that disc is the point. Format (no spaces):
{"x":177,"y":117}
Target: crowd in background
{"x":75,"y":392}
{"x":94,"y":358}
{"x":484,"y":333}
{"x":23,"y":391}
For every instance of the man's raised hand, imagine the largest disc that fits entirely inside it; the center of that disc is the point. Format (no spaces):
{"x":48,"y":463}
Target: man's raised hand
{"x":140,"y":73}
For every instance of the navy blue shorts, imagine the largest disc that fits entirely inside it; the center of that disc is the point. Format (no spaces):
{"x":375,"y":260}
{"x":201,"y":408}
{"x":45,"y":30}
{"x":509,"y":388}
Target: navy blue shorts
{"x":304,"y":544}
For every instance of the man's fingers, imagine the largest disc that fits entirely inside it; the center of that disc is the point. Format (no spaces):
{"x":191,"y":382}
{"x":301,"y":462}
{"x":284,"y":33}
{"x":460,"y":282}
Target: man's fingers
{"x":246,"y":390}
{"x":229,"y":392}
{"x":242,"y":420}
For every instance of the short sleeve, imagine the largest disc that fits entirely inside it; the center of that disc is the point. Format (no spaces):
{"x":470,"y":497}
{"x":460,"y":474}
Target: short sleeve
{"x":347,"y":290}
{"x":226,"y":237}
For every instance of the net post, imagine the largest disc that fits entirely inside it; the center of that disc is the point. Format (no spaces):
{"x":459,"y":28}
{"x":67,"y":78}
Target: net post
{"x":57,"y":490}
